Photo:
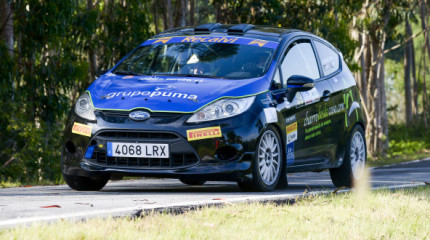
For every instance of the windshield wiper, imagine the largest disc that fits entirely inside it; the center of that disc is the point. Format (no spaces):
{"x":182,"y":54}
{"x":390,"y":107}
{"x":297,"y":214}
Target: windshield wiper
{"x":127,"y":73}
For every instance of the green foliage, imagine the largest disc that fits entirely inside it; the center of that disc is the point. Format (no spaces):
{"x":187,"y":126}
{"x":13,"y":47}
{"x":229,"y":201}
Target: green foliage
{"x":49,"y":69}
{"x":401,"y":142}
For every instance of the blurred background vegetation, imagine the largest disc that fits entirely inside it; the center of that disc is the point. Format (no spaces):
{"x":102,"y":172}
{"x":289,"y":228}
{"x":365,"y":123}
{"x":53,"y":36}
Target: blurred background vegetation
{"x":51,"y":50}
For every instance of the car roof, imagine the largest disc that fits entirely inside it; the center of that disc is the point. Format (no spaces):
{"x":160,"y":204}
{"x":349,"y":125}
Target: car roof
{"x":245,"y":30}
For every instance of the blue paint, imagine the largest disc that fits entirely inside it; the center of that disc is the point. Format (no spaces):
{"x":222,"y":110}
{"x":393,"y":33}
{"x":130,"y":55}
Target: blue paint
{"x":186,"y":94}
{"x":290,"y":153}
{"x":294,"y":86}
{"x":89,"y":152}
{"x":109,"y":149}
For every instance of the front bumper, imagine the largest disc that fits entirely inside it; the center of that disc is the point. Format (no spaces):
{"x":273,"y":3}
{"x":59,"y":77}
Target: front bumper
{"x":227,"y":157}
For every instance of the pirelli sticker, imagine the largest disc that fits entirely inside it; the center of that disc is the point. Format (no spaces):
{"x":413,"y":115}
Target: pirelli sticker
{"x":291,"y":132}
{"x":203,"y":133}
{"x":82,"y":129}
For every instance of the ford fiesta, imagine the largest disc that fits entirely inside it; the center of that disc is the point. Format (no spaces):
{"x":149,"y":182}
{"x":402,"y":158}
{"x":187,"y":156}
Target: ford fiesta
{"x":239,"y":103}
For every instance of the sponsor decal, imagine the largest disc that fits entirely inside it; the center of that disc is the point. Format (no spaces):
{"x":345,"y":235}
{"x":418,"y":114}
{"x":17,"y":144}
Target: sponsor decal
{"x":291,"y":133}
{"x":165,"y":88}
{"x":290,"y":119}
{"x":292,"y":127}
{"x":258,"y":42}
{"x":266,"y":100}
{"x":315,"y":123}
{"x":311,"y":96}
{"x":82,"y":129}
{"x":163,"y":40}
{"x":203,"y":133}
{"x":212,"y":39}
{"x":152,"y":78}
{"x":150,"y":94}
{"x":346,"y":97}
{"x":290,"y":153}
{"x":299,"y":99}
{"x":271,"y":115}
{"x":328,"y":63}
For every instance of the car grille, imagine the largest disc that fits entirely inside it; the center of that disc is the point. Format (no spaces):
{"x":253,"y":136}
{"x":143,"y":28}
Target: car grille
{"x":175,"y":161}
{"x":181,"y":154}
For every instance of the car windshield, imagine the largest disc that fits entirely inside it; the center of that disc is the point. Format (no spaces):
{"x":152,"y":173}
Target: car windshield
{"x":198,"y":59}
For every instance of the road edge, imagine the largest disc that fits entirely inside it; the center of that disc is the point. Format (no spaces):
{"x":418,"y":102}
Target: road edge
{"x":178,"y":208}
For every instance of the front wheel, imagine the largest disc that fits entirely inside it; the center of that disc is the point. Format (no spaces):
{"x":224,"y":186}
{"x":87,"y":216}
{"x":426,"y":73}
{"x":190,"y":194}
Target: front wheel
{"x":267,"y":163}
{"x":354,"y":161}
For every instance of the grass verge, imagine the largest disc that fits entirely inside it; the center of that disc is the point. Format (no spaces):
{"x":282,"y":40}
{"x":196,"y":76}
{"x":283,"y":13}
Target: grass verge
{"x":395,"y":159}
{"x":403,"y":214}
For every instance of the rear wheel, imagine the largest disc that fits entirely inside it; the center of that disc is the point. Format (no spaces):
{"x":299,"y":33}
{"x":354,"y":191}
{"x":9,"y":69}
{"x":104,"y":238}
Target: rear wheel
{"x":354,"y":161}
{"x":192,"y":181}
{"x":267,"y":164}
{"x":86,"y":183}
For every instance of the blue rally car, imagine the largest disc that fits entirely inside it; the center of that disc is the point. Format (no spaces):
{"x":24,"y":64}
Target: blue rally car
{"x":237,"y":103}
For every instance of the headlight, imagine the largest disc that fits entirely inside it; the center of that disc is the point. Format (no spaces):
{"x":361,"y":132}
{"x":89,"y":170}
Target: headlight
{"x":84,"y":108}
{"x":223,"y":108}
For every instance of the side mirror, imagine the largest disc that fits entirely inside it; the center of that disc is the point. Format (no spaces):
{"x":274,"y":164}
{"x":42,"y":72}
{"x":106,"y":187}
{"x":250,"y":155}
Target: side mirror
{"x":300,"y":83}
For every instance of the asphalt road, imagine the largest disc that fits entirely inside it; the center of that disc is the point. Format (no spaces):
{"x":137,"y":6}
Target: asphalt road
{"x":131,"y":197}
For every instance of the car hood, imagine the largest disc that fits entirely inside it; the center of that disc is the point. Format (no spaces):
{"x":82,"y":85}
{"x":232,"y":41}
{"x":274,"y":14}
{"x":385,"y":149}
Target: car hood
{"x":167,"y":94}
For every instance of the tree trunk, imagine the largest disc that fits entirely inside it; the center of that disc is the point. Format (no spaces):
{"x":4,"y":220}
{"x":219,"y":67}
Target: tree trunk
{"x":407,"y":75}
{"x":91,"y":53}
{"x":183,"y":21}
{"x":414,"y":82}
{"x":168,"y":14}
{"x":423,"y":15}
{"x":192,"y":4}
{"x":424,"y":95}
{"x":6,"y":27}
{"x":377,"y":129}
{"x":155,"y":15}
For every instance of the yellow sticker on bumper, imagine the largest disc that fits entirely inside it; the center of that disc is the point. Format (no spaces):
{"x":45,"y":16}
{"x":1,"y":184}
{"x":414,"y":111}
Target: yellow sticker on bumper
{"x":82,"y":129}
{"x":203,"y":133}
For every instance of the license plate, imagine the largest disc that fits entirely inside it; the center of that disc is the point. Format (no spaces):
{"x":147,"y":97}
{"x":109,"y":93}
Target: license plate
{"x":137,"y":150}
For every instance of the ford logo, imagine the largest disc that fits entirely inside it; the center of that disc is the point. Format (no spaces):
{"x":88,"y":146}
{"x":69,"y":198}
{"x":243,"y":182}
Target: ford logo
{"x":139,"y":115}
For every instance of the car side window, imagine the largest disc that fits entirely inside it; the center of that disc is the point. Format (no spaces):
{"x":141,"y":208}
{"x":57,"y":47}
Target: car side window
{"x":300,"y":60}
{"x":329,"y":58}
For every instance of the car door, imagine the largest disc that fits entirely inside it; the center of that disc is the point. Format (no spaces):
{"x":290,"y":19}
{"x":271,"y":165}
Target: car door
{"x":331,"y":68}
{"x":305,"y":143}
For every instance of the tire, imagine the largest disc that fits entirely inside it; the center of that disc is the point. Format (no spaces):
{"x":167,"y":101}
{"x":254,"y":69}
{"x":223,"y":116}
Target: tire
{"x":267,"y":163}
{"x":86,"y":183}
{"x":354,"y":161}
{"x":193,"y":182}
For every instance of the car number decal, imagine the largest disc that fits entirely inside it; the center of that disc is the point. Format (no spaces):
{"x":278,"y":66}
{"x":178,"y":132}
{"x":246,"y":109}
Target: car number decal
{"x":82,"y":129}
{"x":203,"y":133}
